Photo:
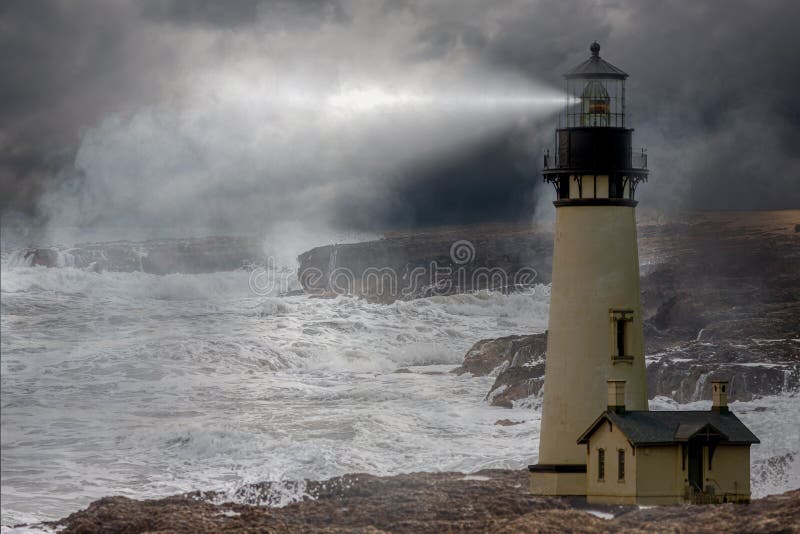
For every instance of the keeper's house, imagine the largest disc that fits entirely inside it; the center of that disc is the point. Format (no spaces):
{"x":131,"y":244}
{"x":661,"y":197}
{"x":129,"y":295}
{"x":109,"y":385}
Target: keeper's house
{"x":664,"y":457}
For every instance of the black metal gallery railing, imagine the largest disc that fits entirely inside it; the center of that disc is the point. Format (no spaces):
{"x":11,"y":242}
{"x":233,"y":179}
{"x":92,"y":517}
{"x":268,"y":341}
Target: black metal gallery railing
{"x":637,"y":156}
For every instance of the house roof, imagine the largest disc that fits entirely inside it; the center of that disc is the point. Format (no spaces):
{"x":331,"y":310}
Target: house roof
{"x":663,"y":428}
{"x":596,"y":67}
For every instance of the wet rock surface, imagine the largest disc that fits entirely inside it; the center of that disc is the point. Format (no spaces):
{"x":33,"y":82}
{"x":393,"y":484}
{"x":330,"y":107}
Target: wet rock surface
{"x":754,"y":368}
{"x":496,"y":355}
{"x":516,"y":361}
{"x":488,"y":501}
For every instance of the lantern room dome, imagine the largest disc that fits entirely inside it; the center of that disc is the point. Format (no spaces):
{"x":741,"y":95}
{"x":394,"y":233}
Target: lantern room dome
{"x":596,"y":67}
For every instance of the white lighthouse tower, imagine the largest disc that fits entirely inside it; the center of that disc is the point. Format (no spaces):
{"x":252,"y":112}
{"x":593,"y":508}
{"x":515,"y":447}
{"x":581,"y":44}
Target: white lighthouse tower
{"x":595,"y":328}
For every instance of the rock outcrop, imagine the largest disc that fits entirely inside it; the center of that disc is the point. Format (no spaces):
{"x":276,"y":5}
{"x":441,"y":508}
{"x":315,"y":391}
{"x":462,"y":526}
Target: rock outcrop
{"x":443,"y":261}
{"x":754,"y":368}
{"x":516,"y":361}
{"x":165,"y":256}
{"x":684,"y":373}
{"x":488,"y":501}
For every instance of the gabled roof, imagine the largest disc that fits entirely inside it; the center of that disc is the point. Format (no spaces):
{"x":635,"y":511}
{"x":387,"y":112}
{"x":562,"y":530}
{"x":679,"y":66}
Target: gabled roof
{"x":687,"y":431}
{"x":596,"y":67}
{"x":664,"y":428}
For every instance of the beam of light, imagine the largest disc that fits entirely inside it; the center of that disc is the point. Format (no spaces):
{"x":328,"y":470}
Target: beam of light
{"x":362,"y":98}
{"x":284,"y":145}
{"x":373,"y":98}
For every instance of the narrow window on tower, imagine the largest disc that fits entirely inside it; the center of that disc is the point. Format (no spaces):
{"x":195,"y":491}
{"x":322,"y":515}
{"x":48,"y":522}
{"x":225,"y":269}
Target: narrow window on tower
{"x":620,"y":338}
{"x":563,"y":187}
{"x":621,"y":321}
{"x":621,"y":465}
{"x":616,"y":189}
{"x":601,"y":464}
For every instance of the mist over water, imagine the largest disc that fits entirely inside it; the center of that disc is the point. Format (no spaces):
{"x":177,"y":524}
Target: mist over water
{"x":331,"y":119}
{"x":242,"y":151}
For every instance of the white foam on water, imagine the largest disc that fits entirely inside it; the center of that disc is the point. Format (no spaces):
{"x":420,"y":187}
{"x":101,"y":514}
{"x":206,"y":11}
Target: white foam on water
{"x":141,"y":385}
{"x":601,"y":515}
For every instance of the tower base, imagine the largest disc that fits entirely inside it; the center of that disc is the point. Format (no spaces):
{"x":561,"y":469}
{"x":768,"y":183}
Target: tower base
{"x":558,"y":479}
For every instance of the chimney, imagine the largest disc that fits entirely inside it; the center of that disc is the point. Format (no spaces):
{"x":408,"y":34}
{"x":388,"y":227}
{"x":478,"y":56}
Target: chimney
{"x":719,"y":396}
{"x":616,"y":396}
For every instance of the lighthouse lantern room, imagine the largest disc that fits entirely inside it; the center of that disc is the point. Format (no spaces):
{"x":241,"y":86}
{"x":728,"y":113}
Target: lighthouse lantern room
{"x":592,"y":136}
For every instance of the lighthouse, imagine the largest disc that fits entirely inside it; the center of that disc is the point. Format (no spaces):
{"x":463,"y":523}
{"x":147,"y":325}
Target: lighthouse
{"x":595,"y":326}
{"x":598,"y":439}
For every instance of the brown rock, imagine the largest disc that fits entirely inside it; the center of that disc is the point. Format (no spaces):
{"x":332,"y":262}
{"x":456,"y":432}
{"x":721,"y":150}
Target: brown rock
{"x":507,"y":422}
{"x":488,"y":355}
{"x":492,"y":501}
{"x":422,"y":263}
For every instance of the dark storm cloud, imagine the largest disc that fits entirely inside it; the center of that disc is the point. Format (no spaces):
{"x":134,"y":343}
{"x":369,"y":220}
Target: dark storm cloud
{"x":207,"y":12}
{"x":64,"y":66}
{"x":712,"y":94}
{"x":489,"y":180}
{"x":240,"y":13}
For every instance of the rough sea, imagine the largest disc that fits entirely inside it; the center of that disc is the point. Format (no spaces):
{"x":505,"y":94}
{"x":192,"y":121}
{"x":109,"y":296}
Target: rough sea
{"x":143,"y":385}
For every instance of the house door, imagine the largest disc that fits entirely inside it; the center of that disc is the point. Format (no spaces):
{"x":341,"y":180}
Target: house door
{"x":696,"y":466}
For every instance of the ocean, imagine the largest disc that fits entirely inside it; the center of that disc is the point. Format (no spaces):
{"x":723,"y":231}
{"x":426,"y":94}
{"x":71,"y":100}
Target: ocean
{"x":144,"y":386}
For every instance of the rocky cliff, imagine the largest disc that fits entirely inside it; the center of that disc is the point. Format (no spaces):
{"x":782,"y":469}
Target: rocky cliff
{"x":441,"y":261}
{"x":721,"y":297}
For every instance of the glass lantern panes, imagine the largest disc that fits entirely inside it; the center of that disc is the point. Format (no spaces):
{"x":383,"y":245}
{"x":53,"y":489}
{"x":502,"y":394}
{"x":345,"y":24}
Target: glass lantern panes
{"x":595,"y":94}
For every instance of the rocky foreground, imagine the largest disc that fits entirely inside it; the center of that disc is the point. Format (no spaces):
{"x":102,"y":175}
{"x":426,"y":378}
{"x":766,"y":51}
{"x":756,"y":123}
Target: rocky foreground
{"x":488,"y":501}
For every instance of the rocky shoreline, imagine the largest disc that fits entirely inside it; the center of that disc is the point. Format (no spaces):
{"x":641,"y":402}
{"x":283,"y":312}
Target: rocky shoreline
{"x":487,"y":501}
{"x":721,"y":296}
{"x":721,"y":299}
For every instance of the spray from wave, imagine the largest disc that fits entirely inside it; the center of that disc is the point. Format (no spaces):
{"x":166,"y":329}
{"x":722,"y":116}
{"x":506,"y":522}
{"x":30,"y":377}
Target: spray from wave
{"x":240,"y":153}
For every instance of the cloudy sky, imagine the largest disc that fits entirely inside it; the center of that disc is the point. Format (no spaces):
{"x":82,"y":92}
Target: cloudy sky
{"x":177,"y":117}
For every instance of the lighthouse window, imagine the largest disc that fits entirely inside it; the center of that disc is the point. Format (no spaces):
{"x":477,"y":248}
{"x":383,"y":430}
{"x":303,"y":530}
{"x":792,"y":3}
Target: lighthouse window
{"x":621,"y":465}
{"x":563,"y":187}
{"x":601,"y":464}
{"x":620,"y":344}
{"x":616,"y":187}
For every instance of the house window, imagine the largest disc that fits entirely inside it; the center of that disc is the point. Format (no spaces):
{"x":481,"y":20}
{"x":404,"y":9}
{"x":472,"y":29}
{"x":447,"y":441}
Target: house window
{"x":621,"y":464}
{"x":621,"y":321}
{"x":601,"y":464}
